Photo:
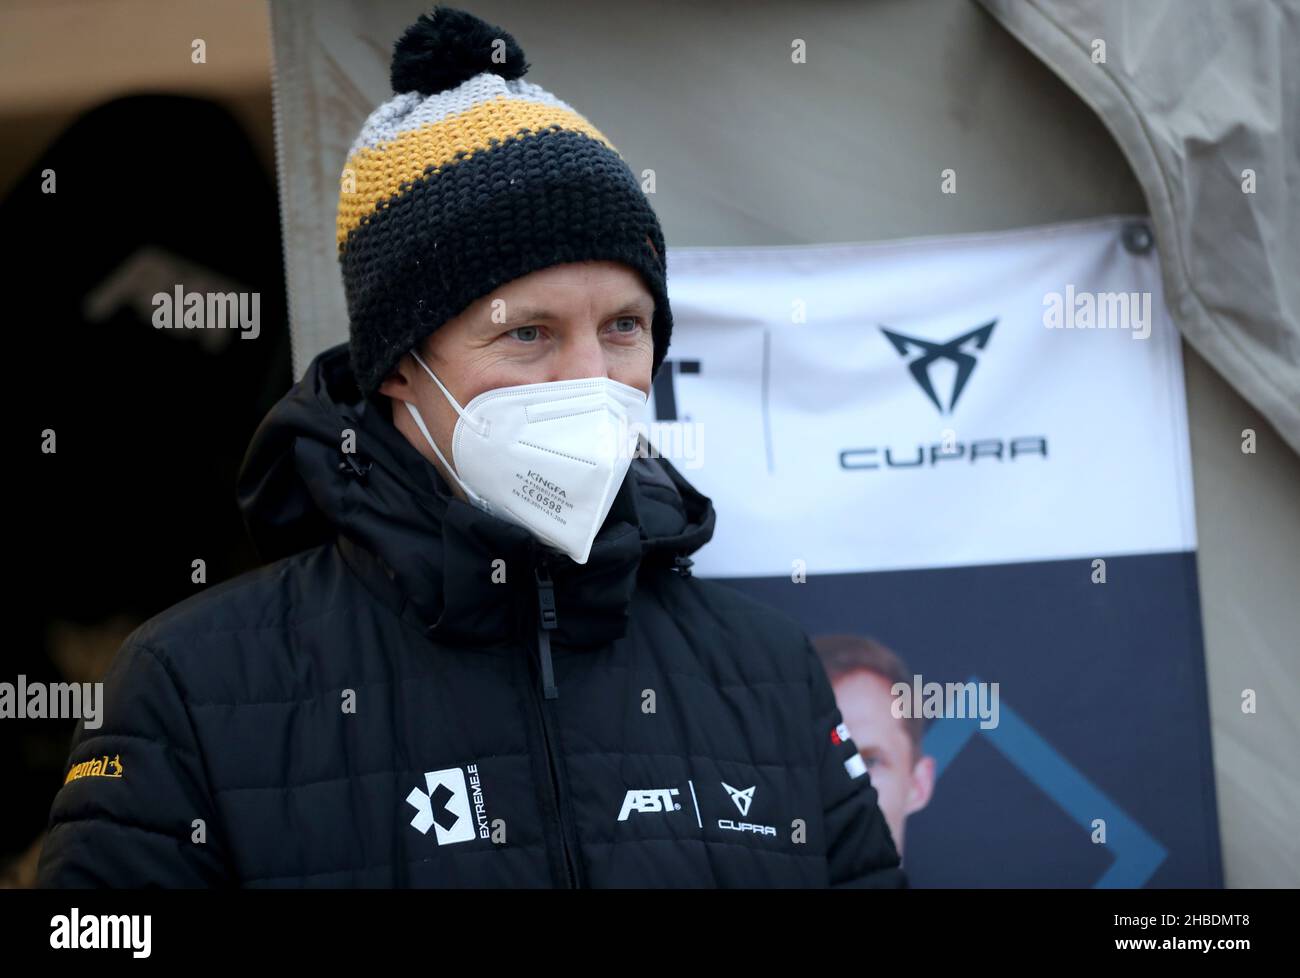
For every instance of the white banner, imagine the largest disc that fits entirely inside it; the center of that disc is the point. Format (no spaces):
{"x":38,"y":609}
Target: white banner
{"x":979,"y":399}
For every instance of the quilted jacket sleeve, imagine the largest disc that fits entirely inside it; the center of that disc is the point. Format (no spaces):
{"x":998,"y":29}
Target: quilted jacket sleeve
{"x":125,"y":816}
{"x":860,"y":850}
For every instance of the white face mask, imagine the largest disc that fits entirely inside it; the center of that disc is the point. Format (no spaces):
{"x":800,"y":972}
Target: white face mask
{"x":549,"y":457}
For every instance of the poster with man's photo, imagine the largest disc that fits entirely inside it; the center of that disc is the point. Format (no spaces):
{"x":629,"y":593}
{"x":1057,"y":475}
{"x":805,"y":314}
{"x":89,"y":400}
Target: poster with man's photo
{"x":962,"y":465}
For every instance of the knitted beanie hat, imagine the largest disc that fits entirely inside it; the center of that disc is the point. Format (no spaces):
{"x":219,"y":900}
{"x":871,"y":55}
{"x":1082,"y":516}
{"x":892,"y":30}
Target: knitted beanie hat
{"x":468,"y":178}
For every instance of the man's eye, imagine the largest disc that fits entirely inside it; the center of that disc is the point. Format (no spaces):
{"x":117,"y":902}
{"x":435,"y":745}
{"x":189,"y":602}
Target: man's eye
{"x":636,"y":324}
{"x":529,"y":333}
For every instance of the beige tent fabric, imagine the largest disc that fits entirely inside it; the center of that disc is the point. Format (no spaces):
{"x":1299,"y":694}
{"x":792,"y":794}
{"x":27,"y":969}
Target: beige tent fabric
{"x":1196,"y":92}
{"x":330,"y":70}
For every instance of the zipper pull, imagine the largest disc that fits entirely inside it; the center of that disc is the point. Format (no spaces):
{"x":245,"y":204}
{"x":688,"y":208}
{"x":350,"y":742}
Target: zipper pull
{"x":547,"y":620}
{"x":350,"y":466}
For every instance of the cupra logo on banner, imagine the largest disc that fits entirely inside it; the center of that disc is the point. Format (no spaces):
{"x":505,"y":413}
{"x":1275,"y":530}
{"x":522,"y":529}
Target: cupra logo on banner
{"x":930,"y":353}
{"x":961,"y":351}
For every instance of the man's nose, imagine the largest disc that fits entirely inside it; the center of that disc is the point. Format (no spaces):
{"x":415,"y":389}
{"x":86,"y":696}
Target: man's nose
{"x":581,"y":356}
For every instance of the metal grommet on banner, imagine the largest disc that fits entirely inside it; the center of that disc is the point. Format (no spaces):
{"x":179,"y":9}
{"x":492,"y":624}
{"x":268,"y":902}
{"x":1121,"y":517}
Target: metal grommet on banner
{"x":1137,"y":238}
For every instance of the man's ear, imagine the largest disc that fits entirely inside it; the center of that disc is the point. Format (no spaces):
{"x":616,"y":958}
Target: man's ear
{"x":397,"y":385}
{"x":920,"y":785}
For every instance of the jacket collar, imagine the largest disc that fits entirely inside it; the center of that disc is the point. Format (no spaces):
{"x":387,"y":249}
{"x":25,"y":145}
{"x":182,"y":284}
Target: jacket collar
{"x":461,"y":575}
{"x":471,"y":578}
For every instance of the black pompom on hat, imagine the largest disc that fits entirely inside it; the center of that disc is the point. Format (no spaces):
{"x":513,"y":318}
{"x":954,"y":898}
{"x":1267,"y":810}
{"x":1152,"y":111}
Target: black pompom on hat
{"x":438,"y":53}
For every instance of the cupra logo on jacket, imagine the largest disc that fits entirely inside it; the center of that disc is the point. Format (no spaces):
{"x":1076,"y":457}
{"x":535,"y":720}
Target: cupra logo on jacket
{"x":932,"y":352}
{"x":99,"y":767}
{"x":743,"y":799}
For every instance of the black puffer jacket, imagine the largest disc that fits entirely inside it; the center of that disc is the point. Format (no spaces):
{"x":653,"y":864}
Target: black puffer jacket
{"x":375,"y":708}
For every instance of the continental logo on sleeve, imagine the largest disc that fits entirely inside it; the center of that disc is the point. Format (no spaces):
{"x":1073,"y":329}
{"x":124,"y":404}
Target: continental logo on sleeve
{"x":99,"y":767}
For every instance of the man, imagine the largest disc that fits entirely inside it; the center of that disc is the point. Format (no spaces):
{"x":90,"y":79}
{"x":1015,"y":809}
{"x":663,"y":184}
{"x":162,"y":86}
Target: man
{"x":863,"y":673}
{"x":480,"y":658}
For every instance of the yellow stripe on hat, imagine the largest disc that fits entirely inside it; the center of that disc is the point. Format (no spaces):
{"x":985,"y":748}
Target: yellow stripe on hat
{"x":380,"y":172}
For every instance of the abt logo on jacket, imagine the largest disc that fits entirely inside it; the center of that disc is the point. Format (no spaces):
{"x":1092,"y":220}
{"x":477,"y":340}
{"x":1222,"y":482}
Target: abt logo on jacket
{"x":649,"y":800}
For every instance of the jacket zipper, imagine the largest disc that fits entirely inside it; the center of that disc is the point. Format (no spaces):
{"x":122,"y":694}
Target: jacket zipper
{"x":547,"y":620}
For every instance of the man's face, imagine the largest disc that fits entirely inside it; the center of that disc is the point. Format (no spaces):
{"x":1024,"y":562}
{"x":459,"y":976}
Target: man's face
{"x":904,"y":784}
{"x":585,"y":319}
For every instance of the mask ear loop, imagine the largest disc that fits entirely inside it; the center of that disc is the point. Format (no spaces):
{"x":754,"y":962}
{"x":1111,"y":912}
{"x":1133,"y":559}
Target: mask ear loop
{"x":424,"y":430}
{"x":479,"y":426}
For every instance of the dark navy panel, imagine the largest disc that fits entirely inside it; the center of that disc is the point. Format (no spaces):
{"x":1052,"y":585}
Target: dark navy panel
{"x":1103,"y":707}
